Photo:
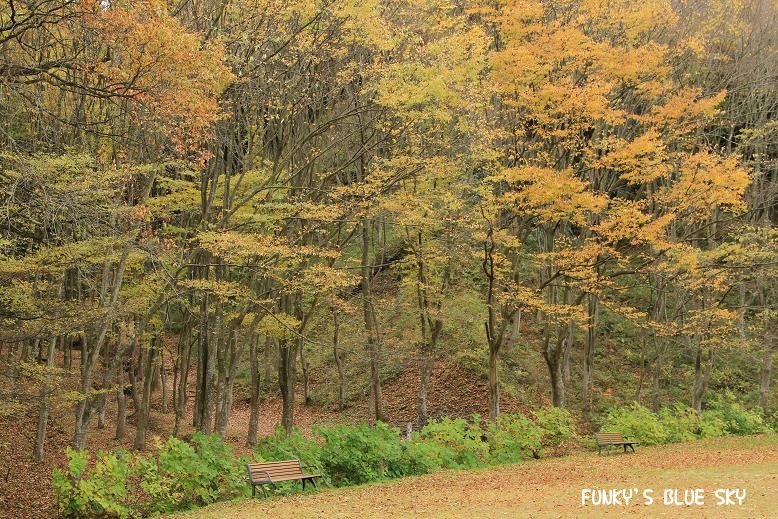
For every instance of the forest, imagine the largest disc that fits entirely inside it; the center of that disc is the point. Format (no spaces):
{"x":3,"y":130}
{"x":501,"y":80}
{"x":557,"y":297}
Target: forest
{"x":215,"y":211}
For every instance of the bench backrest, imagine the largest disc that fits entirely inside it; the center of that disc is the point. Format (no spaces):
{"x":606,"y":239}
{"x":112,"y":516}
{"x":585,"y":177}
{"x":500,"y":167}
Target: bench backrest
{"x":609,"y":437}
{"x":277,"y":470}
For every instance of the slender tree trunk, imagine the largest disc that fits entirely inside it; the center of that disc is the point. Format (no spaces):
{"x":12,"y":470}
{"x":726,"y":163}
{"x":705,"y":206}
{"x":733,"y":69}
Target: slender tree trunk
{"x":589,"y":349}
{"x":253,"y":433}
{"x":67,"y":353}
{"x":180,"y":387}
{"x":702,"y":372}
{"x":235,"y":349}
{"x":494,"y":383}
{"x":121,"y":407}
{"x":144,"y":411}
{"x":287,"y":379}
{"x":371,"y":328}
{"x":304,"y":367}
{"x":43,"y":415}
{"x":766,"y":375}
{"x":163,"y":380}
{"x":268,"y":361}
{"x":338,"y":354}
{"x":553,"y":356}
{"x":656,"y":383}
{"x":567,"y":353}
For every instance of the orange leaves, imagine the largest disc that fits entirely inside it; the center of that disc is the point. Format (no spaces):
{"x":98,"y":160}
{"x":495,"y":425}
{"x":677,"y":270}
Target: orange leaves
{"x":548,"y":194}
{"x":171,"y":76}
{"x":707,"y":181}
{"x":644,"y":159}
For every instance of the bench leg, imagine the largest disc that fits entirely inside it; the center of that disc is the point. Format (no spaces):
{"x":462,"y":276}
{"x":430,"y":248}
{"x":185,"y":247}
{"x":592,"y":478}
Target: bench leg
{"x":303,"y":480}
{"x":264,"y":492}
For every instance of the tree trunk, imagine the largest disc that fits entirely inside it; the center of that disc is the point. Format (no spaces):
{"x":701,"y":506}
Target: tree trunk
{"x":589,"y":349}
{"x":43,"y":415}
{"x":338,"y":360}
{"x":121,"y":408}
{"x":766,"y":375}
{"x":163,"y":380}
{"x":304,"y":368}
{"x":373,"y":344}
{"x":253,"y":433}
{"x":235,"y":349}
{"x":145,"y":409}
{"x":183,"y":362}
{"x":287,"y":380}
{"x":702,"y":372}
{"x":494,"y":383}
{"x":553,"y":357}
{"x":656,"y":384}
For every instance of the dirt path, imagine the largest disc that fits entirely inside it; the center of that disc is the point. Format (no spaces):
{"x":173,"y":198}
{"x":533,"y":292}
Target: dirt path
{"x":552,"y":488}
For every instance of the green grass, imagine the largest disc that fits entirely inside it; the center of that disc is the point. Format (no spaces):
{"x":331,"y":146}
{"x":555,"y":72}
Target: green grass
{"x":550,"y":488}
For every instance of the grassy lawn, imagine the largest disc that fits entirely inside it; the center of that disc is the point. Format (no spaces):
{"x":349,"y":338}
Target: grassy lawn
{"x":551,"y":488}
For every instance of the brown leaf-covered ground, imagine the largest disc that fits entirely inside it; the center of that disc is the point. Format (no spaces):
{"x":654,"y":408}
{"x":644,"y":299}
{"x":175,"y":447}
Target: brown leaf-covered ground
{"x":550,"y":488}
{"x":25,"y":486}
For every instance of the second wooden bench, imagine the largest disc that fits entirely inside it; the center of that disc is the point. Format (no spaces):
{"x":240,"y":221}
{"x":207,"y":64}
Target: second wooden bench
{"x":272,"y":472}
{"x":608,"y":439}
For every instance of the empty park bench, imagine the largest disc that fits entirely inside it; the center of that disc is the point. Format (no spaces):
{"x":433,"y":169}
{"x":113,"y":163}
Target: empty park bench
{"x":610,"y":439}
{"x":272,"y":472}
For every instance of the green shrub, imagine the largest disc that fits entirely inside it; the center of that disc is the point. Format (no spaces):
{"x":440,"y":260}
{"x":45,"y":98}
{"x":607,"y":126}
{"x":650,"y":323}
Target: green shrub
{"x":359,"y":454}
{"x":99,"y":490}
{"x":514,"y":437}
{"x":738,"y":421}
{"x":681,"y":423}
{"x":460,"y":436}
{"x":637,"y":422}
{"x":174,"y":476}
{"x":281,"y":446}
{"x":712,"y":425}
{"x":420,"y":456}
{"x":557,"y":425}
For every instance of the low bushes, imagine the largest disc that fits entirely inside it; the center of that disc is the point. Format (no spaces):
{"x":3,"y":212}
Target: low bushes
{"x":636,"y":422}
{"x":358,"y":454}
{"x":175,"y":475}
{"x":677,"y":423}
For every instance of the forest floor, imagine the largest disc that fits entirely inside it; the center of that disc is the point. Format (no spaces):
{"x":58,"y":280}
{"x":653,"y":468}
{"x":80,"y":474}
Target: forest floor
{"x":25,"y":486}
{"x":552,"y":488}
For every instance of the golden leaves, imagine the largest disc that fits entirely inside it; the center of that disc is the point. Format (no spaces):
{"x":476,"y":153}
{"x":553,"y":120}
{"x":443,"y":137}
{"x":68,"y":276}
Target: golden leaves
{"x":706,"y":181}
{"x":242,"y":247}
{"x":549,"y":194}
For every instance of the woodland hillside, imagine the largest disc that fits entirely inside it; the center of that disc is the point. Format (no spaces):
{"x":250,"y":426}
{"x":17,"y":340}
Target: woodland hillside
{"x":223,"y":215}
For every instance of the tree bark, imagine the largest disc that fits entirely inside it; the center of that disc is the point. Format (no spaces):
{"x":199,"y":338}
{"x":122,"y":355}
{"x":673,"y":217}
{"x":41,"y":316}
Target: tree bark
{"x":589,"y":349}
{"x":766,"y":375}
{"x":253,"y":432}
{"x":287,"y":379}
{"x":338,"y":354}
{"x":702,"y":372}
{"x":43,"y":415}
{"x":144,"y":411}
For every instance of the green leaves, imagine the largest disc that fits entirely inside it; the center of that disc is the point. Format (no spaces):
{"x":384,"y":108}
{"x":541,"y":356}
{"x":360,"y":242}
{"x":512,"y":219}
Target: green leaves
{"x":174,"y":476}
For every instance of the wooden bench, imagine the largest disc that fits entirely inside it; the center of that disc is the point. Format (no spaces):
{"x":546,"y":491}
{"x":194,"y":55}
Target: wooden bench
{"x":272,"y":472}
{"x":610,"y":439}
